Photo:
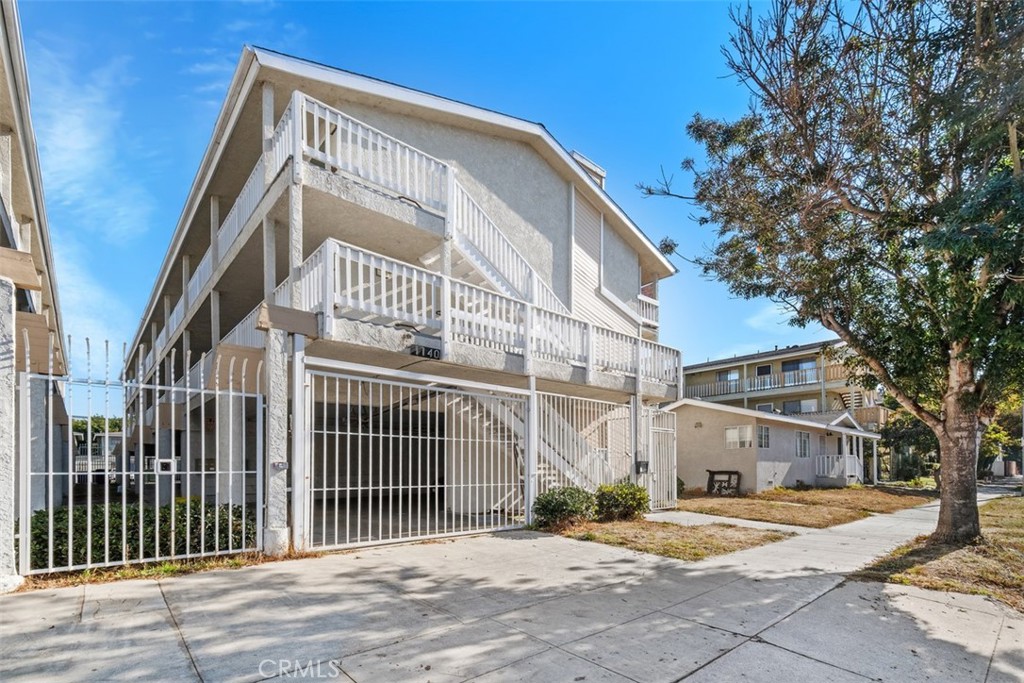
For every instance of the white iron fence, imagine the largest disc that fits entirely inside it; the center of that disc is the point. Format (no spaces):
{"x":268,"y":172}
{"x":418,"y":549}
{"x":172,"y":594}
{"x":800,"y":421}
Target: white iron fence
{"x":113,"y":473}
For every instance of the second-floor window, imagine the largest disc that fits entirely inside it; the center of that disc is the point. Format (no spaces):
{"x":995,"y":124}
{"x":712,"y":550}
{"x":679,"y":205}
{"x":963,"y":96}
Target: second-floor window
{"x":728,"y":375}
{"x":763,"y":436}
{"x":800,"y":371}
{"x":739,"y":437}
{"x":807,"y":405}
{"x":803,"y":444}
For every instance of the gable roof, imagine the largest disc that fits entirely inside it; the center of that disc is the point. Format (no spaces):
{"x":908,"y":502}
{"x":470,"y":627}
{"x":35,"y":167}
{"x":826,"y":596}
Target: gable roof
{"x":776,"y":417}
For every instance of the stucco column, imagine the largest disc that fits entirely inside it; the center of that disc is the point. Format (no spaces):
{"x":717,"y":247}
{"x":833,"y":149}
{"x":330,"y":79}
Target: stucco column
{"x":276,"y":535}
{"x":9,"y":579}
{"x":295,"y":242}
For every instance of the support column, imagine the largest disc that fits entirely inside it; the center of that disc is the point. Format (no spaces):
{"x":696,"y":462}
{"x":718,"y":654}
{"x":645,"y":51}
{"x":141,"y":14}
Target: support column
{"x":9,"y":579}
{"x":268,"y":132}
{"x":269,"y":258}
{"x":214,"y":228}
{"x":214,"y":318}
{"x":874,"y":461}
{"x":295,"y":242}
{"x":276,"y":534}
{"x":37,"y":389}
{"x":186,"y":273}
{"x":230,"y":429}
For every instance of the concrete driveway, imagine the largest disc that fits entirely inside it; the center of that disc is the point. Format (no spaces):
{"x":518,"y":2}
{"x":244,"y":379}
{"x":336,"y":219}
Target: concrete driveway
{"x":524,"y":606}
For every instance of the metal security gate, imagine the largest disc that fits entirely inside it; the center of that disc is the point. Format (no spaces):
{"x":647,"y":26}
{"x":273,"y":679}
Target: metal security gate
{"x":658,"y":445}
{"x":395,"y":460}
{"x":113,"y":472}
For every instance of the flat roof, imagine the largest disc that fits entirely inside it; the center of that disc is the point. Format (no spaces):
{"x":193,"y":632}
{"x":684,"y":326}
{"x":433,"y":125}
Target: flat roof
{"x":784,"y":351}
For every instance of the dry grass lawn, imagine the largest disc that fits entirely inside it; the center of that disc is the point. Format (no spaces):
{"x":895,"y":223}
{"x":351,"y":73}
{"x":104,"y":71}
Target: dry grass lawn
{"x":151,"y":570}
{"x":673,"y":540}
{"x":750,"y":507}
{"x":993,"y":566}
{"x":852,"y":498}
{"x":816,"y":508}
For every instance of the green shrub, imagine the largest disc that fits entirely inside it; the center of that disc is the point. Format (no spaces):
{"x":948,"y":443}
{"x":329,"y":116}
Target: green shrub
{"x":196,"y":529}
{"x":680,"y":488}
{"x":621,"y":501}
{"x":562,"y":507}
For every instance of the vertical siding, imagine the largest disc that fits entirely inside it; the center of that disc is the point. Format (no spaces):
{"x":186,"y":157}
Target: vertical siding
{"x":587,"y":302}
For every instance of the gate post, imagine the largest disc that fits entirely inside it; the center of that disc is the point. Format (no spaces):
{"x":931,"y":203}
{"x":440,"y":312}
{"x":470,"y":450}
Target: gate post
{"x":275,"y":525}
{"x":9,"y":579}
{"x":300,"y":479}
{"x":532,"y":444}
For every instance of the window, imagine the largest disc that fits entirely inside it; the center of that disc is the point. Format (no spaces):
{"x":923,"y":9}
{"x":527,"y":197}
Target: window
{"x":727,"y":375}
{"x":807,"y":405}
{"x":766,"y":407}
{"x":803,"y":444}
{"x":763,"y":436}
{"x":739,"y":437}
{"x":763,"y":370}
{"x":801,"y":371}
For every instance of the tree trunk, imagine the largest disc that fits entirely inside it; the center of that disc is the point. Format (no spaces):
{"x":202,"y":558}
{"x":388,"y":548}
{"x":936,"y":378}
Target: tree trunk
{"x":958,"y":453}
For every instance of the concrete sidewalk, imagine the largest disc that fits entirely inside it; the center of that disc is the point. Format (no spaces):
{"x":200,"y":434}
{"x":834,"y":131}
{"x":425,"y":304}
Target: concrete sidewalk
{"x":521,"y":606}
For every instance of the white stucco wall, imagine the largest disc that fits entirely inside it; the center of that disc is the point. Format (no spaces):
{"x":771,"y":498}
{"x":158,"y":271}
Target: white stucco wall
{"x":778,"y":464}
{"x":700,"y":446}
{"x":521,"y":193}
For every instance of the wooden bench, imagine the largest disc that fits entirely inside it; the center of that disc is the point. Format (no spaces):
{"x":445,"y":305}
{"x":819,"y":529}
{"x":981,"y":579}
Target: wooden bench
{"x":723,"y":482}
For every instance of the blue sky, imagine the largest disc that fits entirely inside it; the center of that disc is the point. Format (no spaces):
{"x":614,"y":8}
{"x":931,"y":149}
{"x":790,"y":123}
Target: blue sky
{"x":124,"y":97}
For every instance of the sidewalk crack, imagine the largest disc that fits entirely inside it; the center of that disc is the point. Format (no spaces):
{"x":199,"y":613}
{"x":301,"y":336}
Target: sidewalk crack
{"x":181,"y":636}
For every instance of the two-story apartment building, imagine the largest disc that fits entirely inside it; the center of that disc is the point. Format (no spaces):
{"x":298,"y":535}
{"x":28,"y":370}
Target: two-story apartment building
{"x":427,"y":311}
{"x":795,"y":380}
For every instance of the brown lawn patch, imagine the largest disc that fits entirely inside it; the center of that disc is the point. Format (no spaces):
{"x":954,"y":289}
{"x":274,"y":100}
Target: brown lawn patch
{"x":673,"y":540}
{"x":151,"y":570}
{"x":751,"y":507}
{"x":851,"y":498}
{"x":993,"y":566}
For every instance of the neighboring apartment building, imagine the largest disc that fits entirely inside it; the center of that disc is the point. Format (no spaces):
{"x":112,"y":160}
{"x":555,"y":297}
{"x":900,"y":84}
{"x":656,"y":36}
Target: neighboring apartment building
{"x":441,"y":307}
{"x":794,"y":380}
{"x":30,"y":324}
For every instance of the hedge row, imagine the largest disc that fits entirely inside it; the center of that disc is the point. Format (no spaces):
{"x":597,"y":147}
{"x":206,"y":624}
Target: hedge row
{"x":570,"y":505}
{"x":134,"y":531}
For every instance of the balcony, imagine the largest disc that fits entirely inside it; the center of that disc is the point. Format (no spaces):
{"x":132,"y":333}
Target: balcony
{"x":523,"y":314}
{"x":344,"y":283}
{"x":778,"y":380}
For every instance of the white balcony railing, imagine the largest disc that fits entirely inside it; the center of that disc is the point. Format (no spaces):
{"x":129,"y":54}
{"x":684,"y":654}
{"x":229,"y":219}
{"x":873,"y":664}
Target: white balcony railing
{"x":341,"y":142}
{"x":373,"y":285}
{"x":248,"y":199}
{"x":776,"y":380}
{"x":200,"y":277}
{"x":646,"y":309}
{"x":361,"y":285}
